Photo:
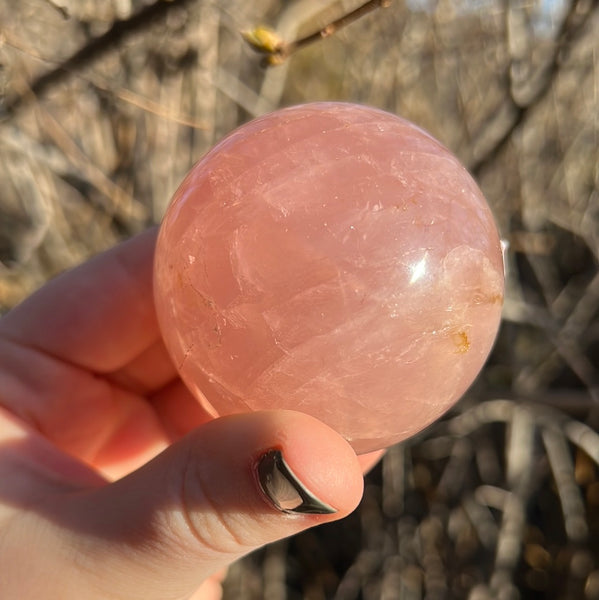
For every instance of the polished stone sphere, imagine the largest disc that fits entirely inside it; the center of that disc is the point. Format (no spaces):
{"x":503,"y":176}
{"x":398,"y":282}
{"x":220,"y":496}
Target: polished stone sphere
{"x":333,"y":259}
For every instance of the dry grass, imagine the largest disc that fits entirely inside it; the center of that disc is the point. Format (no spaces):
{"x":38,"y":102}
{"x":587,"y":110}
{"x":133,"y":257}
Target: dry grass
{"x":99,"y":122}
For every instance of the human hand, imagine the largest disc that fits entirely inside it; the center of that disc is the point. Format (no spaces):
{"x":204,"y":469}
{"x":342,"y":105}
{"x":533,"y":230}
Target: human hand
{"x":114,"y":484}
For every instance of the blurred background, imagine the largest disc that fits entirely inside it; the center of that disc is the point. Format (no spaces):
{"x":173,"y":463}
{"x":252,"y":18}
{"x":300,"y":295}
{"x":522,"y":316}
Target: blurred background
{"x":105,"y":105}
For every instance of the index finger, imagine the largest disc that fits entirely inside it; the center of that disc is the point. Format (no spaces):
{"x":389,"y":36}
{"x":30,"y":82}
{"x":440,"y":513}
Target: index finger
{"x":99,"y":316}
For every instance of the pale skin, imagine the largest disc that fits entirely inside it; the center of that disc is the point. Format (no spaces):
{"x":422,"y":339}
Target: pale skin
{"x":113,"y":482}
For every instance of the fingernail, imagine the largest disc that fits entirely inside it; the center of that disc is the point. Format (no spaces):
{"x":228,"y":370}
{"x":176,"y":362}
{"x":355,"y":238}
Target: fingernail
{"x":286,"y":492}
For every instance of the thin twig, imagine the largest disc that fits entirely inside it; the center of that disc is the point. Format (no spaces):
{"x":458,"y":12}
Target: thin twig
{"x":120,"y":93}
{"x":336,"y":25}
{"x":90,"y":52}
{"x":569,"y":492}
{"x":277,"y":50}
{"x":62,"y":10}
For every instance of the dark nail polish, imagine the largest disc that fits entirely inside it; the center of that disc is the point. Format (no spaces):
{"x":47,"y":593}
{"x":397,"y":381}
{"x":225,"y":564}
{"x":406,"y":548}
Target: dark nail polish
{"x":288,"y":494}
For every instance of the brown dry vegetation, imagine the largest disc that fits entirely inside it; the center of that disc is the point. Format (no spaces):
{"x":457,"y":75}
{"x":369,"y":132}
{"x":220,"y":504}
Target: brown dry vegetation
{"x":105,"y":106}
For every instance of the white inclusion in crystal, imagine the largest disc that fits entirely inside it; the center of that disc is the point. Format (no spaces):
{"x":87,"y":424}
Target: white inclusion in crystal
{"x":394,"y":312}
{"x":418,"y":270}
{"x":191,"y":259}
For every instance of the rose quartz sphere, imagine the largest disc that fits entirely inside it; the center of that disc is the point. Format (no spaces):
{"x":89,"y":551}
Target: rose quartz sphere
{"x":332,"y":259}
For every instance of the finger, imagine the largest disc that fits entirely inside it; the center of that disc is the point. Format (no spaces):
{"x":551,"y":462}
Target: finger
{"x":149,"y":371}
{"x":164,"y":529}
{"x":83,"y":414}
{"x":368,"y":461}
{"x":99,"y":315}
{"x":212,"y":588}
{"x":178,"y":410}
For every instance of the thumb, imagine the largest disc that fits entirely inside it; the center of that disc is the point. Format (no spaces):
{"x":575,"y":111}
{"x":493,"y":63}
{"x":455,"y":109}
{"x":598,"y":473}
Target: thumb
{"x":229,"y":487}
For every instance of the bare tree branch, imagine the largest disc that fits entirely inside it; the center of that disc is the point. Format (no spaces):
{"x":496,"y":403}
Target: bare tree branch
{"x":264,"y":40}
{"x":91,"y":52}
{"x":572,"y":26}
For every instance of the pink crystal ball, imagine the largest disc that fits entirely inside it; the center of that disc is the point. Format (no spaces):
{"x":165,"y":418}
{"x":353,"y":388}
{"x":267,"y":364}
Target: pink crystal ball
{"x":333,"y":259}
